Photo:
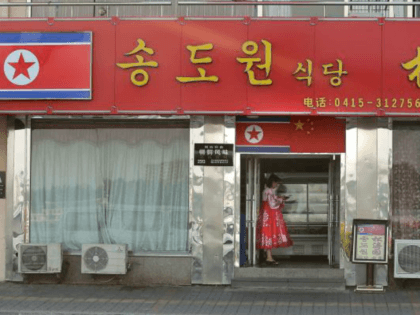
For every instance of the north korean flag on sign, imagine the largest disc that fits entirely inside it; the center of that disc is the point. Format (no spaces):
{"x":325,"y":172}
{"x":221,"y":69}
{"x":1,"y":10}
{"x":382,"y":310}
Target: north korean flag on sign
{"x":371,"y":229}
{"x":291,"y":134}
{"x":46,"y":65}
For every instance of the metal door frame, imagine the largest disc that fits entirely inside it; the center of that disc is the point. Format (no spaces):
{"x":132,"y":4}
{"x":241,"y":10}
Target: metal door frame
{"x":252,"y":202}
{"x":333,"y":208}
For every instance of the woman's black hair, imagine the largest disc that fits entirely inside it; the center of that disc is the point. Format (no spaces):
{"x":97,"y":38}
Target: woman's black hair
{"x":273,"y":179}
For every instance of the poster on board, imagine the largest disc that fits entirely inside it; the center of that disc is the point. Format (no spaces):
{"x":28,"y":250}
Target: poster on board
{"x":370,"y":241}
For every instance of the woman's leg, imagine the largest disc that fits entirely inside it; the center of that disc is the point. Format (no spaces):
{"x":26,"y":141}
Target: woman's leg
{"x":269,"y":255}
{"x":270,"y":260}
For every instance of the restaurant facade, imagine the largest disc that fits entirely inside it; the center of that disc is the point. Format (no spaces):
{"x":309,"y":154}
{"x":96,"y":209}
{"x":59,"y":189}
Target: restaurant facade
{"x":137,"y":149}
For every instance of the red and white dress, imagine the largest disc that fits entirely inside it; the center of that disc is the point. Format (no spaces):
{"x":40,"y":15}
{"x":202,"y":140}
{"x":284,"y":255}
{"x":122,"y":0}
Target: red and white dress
{"x":271,"y":228}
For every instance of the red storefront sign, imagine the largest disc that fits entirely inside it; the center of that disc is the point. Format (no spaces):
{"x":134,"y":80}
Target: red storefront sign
{"x":242,"y":67}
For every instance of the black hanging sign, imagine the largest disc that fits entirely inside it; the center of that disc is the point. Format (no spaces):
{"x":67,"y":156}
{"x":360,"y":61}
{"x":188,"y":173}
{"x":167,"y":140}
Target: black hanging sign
{"x":213,"y":154}
{"x":2,"y":185}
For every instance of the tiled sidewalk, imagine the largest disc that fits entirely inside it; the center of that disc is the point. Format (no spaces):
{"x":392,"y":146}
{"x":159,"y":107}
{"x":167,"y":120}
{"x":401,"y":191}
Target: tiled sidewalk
{"x":24,"y":299}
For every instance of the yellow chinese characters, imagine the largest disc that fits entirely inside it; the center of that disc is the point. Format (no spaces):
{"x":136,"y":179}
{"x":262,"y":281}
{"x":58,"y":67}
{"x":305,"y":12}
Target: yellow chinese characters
{"x":415,"y":63}
{"x":320,"y":102}
{"x":307,"y":70}
{"x":140,"y":63}
{"x":201,"y":71}
{"x":335,"y":81}
{"x":250,"y":48}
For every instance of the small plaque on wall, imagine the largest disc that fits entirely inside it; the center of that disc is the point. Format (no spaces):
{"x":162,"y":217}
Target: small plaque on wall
{"x":2,"y":185}
{"x":213,"y":154}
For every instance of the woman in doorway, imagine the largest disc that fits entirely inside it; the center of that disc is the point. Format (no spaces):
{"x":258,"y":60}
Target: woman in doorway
{"x":271,"y":228}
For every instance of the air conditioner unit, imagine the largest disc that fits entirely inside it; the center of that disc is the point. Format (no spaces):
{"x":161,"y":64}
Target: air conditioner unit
{"x":39,"y":258}
{"x":407,"y":259}
{"x":104,"y":258}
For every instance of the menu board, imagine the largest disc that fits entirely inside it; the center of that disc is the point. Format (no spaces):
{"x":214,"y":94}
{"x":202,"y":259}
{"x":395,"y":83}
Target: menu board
{"x":370,"y":241}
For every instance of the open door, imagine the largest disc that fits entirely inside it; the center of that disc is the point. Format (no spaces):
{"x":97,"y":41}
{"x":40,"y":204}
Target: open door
{"x":312,"y":214}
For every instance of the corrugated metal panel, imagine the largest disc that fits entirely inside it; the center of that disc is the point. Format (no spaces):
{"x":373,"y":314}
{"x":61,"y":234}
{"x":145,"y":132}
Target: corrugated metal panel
{"x":198,"y":10}
{"x":63,"y":11}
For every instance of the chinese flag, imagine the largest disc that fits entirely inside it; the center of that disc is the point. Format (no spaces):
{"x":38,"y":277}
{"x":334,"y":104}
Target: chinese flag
{"x":302,"y":134}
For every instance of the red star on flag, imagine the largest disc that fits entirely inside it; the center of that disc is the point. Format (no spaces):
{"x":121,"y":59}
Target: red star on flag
{"x":253,"y":134}
{"x":21,"y":67}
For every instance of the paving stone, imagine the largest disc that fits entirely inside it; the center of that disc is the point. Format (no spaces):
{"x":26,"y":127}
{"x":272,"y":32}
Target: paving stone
{"x":20,"y":299}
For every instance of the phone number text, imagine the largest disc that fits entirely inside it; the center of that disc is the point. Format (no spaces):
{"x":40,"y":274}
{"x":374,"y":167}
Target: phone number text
{"x":321,"y":102}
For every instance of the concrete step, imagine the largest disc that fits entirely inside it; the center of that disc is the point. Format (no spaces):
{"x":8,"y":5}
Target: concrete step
{"x":288,"y":273}
{"x":289,"y":279}
{"x":284,"y":285}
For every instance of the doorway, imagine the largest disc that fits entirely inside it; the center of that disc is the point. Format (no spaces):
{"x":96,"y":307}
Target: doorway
{"x":311,"y":213}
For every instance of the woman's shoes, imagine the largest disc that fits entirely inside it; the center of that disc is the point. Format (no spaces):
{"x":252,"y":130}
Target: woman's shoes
{"x":271,"y":262}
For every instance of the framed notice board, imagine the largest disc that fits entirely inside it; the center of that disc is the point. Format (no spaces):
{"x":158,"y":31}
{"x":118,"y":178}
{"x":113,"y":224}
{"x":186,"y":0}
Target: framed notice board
{"x":370,"y":241}
{"x":213,"y":154}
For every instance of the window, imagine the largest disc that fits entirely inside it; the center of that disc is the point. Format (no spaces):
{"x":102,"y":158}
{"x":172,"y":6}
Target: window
{"x":114,"y":183}
{"x":406,"y":181}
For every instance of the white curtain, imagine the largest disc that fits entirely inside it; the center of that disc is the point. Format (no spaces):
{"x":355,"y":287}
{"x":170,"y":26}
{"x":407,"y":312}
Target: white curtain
{"x":110,"y":186}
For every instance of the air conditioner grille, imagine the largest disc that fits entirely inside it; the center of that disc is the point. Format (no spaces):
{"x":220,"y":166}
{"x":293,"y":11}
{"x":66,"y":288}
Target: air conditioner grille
{"x":34,"y":258}
{"x":96,"y":258}
{"x":409,"y":259}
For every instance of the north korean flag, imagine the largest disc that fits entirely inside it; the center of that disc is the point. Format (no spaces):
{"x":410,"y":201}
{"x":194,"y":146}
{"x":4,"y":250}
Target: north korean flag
{"x":46,"y":66}
{"x":300,"y":134}
{"x":371,"y":229}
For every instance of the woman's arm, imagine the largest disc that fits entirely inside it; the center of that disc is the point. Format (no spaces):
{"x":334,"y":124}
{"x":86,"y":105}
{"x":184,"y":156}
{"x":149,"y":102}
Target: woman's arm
{"x":273,"y":200}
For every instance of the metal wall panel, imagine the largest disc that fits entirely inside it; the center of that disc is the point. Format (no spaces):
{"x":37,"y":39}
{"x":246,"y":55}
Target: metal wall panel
{"x":367,"y":191}
{"x":366,"y":168}
{"x":343,"y":221}
{"x":175,"y":10}
{"x":384,"y":166}
{"x":307,"y":10}
{"x":9,"y":228}
{"x":229,"y":206}
{"x":184,"y":10}
{"x":335,"y":207}
{"x":384,"y":130}
{"x":139,"y":11}
{"x":350,"y":193}
{"x":237,"y":166}
{"x":213,"y":203}
{"x":63,"y":11}
{"x":18,"y":191}
{"x":200,"y":10}
{"x":366,"y":178}
{"x":196,"y":202}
